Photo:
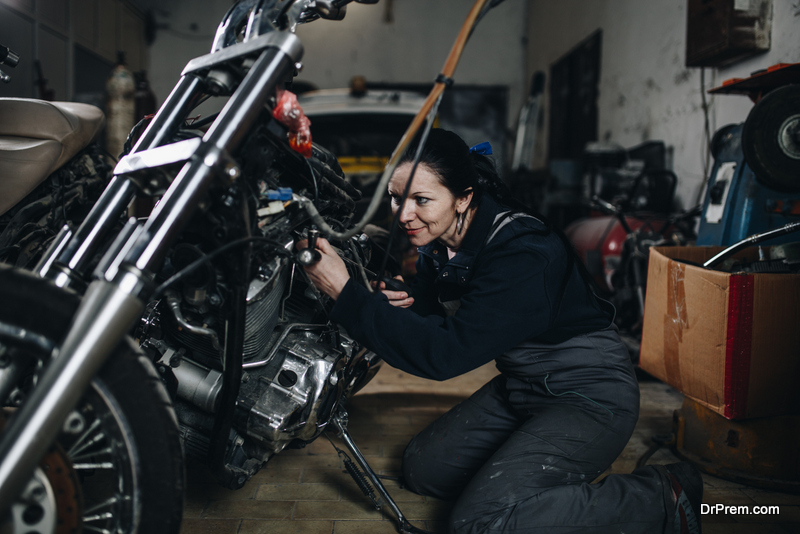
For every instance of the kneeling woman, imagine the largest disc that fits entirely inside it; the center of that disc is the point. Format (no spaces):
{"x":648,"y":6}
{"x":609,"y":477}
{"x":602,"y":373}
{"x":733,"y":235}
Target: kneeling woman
{"x":495,"y":283}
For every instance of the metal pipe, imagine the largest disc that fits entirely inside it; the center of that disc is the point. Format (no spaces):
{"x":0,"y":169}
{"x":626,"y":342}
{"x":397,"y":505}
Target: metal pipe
{"x":277,"y":345}
{"x":81,"y":247}
{"x":189,"y":187}
{"x":231,"y":378}
{"x":174,"y":304}
{"x":752,"y":240}
{"x":171,"y":114}
{"x":53,"y":251}
{"x":116,"y":246}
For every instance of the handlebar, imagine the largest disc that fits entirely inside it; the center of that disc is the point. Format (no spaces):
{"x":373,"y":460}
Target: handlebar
{"x":9,"y":58}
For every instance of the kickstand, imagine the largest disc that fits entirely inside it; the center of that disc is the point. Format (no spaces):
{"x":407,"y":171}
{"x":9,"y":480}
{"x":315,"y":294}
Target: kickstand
{"x":340,"y":422}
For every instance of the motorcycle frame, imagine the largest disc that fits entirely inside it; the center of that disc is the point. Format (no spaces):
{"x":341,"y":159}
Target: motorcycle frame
{"x":116,"y":299}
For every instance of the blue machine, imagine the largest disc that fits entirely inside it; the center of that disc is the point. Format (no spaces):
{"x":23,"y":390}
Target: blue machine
{"x":755,"y":182}
{"x":737,"y":205}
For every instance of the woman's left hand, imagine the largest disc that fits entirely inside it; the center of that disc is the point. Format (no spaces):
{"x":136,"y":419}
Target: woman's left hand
{"x":329,"y":274}
{"x":399,"y":299}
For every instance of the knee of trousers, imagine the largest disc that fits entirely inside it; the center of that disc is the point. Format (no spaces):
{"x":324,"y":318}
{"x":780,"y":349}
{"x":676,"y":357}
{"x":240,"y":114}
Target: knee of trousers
{"x":414,"y":470}
{"x":421,"y":474}
{"x":466,"y":518}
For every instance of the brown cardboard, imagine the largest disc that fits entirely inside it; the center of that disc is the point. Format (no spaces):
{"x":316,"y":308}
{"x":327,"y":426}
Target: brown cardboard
{"x":729,"y":341}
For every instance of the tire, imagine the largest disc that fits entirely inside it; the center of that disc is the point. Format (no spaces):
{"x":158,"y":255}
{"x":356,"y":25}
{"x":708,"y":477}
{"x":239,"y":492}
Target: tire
{"x":121,"y":443}
{"x":771,"y":139}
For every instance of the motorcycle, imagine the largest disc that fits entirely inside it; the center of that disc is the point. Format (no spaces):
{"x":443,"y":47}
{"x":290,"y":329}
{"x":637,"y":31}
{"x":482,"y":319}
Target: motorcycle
{"x":615,"y":246}
{"x":194,"y":330}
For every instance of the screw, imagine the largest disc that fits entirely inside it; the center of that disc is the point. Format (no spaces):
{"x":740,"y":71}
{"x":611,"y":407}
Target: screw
{"x":232,"y":171}
{"x":74,"y":423}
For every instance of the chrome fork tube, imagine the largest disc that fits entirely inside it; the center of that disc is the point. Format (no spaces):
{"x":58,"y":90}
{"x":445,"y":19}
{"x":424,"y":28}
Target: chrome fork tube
{"x":110,"y":307}
{"x":170,"y":116}
{"x":65,"y":265}
{"x":234,"y":121}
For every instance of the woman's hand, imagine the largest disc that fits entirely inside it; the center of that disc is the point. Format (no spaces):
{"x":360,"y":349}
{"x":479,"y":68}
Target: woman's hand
{"x":396,"y":298}
{"x":329,"y":274}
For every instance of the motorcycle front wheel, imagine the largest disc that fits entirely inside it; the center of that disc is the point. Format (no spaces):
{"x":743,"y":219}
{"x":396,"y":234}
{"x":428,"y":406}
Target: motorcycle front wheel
{"x":117,"y":465}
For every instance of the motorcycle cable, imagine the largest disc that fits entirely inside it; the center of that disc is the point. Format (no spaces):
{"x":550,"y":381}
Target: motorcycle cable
{"x":314,"y":179}
{"x":206,"y":258}
{"x":391,"y":283}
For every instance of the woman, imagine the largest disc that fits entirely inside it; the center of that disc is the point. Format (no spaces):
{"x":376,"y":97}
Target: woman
{"x":497,"y":283}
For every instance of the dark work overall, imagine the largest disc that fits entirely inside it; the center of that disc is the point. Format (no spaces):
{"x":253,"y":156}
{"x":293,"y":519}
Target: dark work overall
{"x":519,"y":455}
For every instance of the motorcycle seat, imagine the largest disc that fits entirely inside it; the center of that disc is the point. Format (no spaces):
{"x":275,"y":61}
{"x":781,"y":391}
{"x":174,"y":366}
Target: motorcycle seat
{"x":38,"y":137}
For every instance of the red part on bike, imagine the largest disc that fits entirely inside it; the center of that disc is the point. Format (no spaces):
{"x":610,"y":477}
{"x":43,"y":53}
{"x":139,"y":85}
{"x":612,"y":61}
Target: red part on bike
{"x":289,"y":113}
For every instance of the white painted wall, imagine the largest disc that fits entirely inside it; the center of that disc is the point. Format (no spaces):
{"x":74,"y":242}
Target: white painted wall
{"x":412,"y":48}
{"x":186,"y":30}
{"x":646,"y":93}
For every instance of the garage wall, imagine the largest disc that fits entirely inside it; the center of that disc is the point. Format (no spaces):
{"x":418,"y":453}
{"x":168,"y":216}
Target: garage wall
{"x":410,"y":48}
{"x":645,"y":90}
{"x":49,"y":30}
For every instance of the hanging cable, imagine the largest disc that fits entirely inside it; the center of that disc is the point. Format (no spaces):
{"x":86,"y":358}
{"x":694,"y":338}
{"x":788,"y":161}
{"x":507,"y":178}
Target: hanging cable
{"x":441,"y":83}
{"x":407,"y":190}
{"x":206,"y":258}
{"x":314,"y":179}
{"x":707,"y":132}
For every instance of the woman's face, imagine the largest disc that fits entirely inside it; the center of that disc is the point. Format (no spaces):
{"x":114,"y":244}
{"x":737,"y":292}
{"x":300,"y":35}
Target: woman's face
{"x":430,"y":210}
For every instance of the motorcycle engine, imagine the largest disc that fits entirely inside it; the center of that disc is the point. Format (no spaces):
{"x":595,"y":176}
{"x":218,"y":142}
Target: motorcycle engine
{"x":296,"y":370}
{"x":297,"y":366}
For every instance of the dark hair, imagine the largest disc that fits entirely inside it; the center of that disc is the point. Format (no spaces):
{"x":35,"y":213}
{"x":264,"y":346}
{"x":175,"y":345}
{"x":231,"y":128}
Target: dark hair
{"x":458,"y":169}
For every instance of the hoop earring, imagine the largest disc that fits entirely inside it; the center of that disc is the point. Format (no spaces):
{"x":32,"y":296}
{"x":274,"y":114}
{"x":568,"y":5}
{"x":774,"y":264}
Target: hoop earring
{"x":460,"y":222}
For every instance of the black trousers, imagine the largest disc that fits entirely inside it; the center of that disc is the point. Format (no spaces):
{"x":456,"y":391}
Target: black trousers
{"x":518,"y":457}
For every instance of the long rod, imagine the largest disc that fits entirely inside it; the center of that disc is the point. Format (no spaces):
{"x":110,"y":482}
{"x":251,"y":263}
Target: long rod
{"x":447,"y":72}
{"x":752,"y":240}
{"x":81,"y":247}
{"x":223,"y":137}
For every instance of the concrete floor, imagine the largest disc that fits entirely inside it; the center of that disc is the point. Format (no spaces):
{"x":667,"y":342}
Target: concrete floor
{"x":307,"y":491}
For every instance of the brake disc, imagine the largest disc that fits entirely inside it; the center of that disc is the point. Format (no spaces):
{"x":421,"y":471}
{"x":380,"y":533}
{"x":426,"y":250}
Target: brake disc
{"x":51,"y":502}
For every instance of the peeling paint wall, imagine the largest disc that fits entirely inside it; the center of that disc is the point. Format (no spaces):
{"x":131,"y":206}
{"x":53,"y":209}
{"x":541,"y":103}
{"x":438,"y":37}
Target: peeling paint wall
{"x":646,"y":93}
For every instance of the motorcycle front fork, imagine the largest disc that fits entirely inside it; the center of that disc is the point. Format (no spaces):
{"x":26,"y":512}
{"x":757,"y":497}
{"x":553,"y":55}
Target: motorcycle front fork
{"x":367,"y":476}
{"x":114,"y":301}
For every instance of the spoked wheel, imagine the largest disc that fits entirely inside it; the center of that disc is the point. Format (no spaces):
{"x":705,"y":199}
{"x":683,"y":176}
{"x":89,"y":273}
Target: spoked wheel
{"x":117,"y":466}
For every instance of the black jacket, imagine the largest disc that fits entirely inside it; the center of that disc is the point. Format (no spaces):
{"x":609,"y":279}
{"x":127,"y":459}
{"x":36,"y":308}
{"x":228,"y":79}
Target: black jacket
{"x":512,"y":280}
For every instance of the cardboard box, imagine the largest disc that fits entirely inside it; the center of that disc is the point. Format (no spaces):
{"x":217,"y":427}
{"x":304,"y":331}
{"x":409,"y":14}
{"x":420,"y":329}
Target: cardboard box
{"x":729,"y":341}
